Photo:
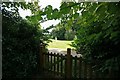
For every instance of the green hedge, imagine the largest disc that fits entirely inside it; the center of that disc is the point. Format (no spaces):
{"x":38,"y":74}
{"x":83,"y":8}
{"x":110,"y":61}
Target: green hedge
{"x":20,"y":42}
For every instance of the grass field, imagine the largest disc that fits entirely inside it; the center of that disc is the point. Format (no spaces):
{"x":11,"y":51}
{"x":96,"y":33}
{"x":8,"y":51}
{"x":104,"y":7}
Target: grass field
{"x":62,"y":44}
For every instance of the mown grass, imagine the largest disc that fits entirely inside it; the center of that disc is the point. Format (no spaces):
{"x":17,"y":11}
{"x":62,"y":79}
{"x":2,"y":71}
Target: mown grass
{"x":61,"y":44}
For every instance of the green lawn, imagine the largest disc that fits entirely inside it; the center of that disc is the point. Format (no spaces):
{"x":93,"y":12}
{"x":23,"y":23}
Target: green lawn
{"x":62,"y":44}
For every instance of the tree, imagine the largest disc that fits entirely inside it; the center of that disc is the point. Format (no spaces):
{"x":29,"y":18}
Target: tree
{"x":20,"y":41}
{"x":59,"y":32}
{"x":97,"y":32}
{"x":62,"y":33}
{"x":98,"y":37}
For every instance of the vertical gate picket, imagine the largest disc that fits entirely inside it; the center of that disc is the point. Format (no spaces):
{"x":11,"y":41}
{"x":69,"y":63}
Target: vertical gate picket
{"x":61,"y":65}
{"x":41,"y":58}
{"x":65,"y":63}
{"x":48,"y":61}
{"x":75,"y":67}
{"x":51,"y":61}
{"x":54,"y":64}
{"x":68,"y":64}
{"x":43,"y":61}
{"x":58,"y":63}
{"x":89,"y":71}
{"x":85,"y":69}
{"x":80,"y":67}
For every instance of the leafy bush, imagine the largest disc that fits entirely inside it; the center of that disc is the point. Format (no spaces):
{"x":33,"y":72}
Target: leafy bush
{"x":21,"y":41}
{"x":98,"y":38}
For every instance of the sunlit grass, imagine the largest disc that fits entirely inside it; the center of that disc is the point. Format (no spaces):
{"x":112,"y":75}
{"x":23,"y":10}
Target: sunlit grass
{"x":62,"y":44}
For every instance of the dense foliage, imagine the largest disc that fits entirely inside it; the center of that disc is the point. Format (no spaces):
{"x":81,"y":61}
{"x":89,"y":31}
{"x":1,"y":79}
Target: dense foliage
{"x":98,"y":37}
{"x":96,"y":26}
{"x":58,"y":33}
{"x":97,"y":32}
{"x":20,"y":41}
{"x":61,"y":33}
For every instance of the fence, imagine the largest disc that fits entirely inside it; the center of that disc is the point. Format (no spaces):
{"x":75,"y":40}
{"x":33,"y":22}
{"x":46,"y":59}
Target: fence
{"x":66,"y":66}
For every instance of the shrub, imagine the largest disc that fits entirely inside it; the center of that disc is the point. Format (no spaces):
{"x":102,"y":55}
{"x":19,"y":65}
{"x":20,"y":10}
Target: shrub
{"x":20,"y":42}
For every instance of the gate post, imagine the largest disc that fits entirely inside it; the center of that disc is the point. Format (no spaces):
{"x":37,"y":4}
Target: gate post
{"x":41,"y":55}
{"x":68,"y":64}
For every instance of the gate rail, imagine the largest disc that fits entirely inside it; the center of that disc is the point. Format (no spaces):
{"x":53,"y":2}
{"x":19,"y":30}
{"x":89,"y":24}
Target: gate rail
{"x":66,"y":66}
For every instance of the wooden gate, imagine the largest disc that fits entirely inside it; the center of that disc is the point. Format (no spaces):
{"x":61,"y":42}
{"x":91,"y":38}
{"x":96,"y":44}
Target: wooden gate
{"x":66,"y":66}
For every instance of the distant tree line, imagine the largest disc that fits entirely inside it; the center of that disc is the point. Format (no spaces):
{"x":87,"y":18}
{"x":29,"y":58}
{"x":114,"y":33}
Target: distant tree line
{"x":62,"y":33}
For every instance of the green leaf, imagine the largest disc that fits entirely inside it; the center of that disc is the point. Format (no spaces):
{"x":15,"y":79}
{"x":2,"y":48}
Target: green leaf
{"x":114,"y":34}
{"x":76,"y":15}
{"x":100,"y":10}
{"x":55,"y":14}
{"x":48,"y":9}
{"x":64,"y":9}
{"x":112,"y":8}
{"x":84,"y":14}
{"x":63,"y":5}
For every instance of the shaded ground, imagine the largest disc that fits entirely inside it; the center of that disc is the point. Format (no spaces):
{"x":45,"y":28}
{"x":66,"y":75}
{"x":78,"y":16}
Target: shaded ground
{"x":46,"y":75}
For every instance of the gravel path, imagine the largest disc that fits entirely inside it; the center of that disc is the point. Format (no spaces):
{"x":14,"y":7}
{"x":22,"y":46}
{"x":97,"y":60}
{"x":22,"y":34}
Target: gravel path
{"x":61,"y":51}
